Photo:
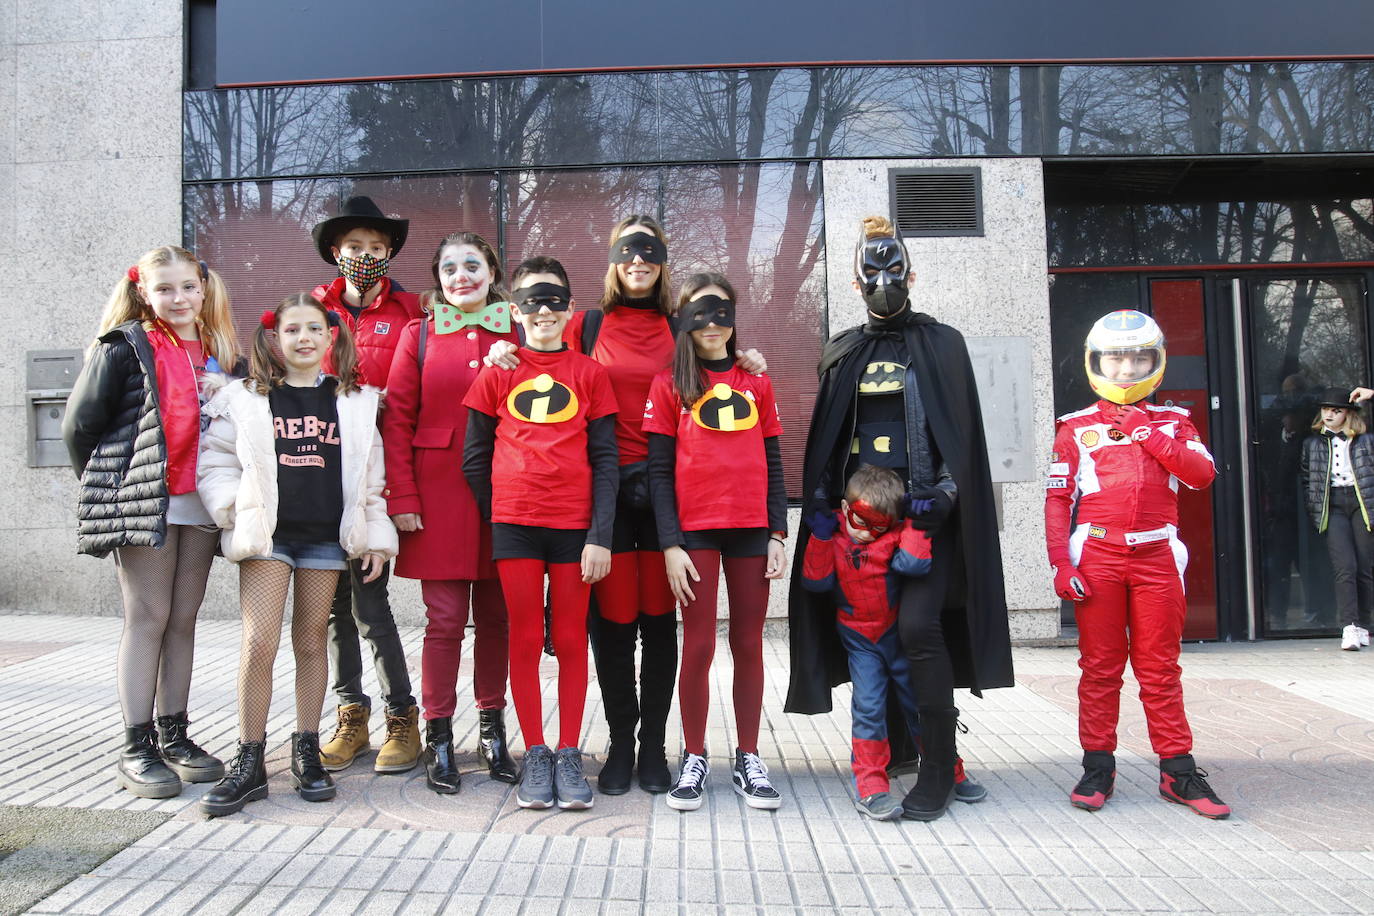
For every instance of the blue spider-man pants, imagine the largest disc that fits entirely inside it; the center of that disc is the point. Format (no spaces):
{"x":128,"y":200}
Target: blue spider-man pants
{"x":872,"y":667}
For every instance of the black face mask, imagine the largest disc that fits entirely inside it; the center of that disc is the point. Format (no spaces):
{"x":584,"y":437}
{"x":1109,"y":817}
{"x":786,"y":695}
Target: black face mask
{"x":647,"y":246}
{"x":881,"y":267}
{"x":698,"y":313}
{"x":529,"y":299}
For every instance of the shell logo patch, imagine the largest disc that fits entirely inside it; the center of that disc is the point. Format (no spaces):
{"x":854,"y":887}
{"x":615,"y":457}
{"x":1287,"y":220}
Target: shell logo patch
{"x":1089,"y":438}
{"x":725,"y":410}
{"x":542,"y":400}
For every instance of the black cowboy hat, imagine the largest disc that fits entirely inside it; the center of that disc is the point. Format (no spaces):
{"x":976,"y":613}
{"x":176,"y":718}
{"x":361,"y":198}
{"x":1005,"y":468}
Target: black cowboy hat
{"x":358,"y":211}
{"x":1337,"y":397}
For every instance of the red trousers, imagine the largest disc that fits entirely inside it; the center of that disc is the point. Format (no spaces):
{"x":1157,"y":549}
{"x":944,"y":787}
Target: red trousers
{"x":1135,"y":611}
{"x":446,"y":609}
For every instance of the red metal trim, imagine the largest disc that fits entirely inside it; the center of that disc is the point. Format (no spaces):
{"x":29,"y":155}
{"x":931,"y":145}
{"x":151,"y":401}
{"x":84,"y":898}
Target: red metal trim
{"x":781,"y":65}
{"x":1215,"y":268}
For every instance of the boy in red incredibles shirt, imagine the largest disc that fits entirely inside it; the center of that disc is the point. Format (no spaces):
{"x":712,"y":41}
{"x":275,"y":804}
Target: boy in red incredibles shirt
{"x":541,"y":458}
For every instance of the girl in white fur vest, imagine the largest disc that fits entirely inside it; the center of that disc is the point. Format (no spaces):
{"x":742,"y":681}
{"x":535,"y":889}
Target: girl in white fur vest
{"x":292,"y":471}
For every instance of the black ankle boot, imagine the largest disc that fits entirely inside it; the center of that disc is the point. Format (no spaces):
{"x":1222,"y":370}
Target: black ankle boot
{"x":615,"y":672}
{"x":141,"y":769}
{"x":244,"y":782}
{"x":308,"y":775}
{"x":657,"y":677}
{"x":441,"y":773}
{"x":934,"y":788}
{"x":188,"y":759}
{"x":492,"y":748}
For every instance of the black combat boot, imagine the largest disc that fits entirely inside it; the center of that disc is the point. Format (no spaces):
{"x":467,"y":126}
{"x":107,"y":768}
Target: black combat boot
{"x":308,"y":775}
{"x":244,"y":782}
{"x":141,"y":768}
{"x":189,"y":759}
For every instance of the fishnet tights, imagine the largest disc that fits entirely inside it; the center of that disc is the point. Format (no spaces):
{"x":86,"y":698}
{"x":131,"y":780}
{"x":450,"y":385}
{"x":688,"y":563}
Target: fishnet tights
{"x":262,"y":598}
{"x":162,"y":589}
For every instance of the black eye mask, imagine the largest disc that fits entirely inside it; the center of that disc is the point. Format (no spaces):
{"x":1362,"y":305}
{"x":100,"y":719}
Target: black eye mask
{"x":698,"y":313}
{"x":647,"y":246}
{"x":528,"y":299}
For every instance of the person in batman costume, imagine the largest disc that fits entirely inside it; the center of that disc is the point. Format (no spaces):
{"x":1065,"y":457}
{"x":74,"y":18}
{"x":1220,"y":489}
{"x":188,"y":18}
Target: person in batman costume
{"x":899,"y":391}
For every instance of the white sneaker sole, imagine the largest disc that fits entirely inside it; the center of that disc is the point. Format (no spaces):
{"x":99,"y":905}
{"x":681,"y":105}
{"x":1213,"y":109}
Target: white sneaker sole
{"x":535,"y":804}
{"x":576,"y":804}
{"x":686,"y":804}
{"x":764,"y":804}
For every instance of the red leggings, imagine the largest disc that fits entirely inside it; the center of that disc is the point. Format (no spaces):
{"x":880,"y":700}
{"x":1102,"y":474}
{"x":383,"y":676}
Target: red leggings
{"x":523,"y":582}
{"x":637,"y":583}
{"x":748,"y":593}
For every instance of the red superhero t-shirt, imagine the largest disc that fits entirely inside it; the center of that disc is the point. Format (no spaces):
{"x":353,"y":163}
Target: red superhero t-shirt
{"x":721,"y":469}
{"x":634,"y":345}
{"x":540,"y":473}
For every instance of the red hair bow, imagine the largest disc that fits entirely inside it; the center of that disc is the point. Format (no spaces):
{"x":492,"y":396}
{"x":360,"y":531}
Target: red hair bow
{"x":132,"y":274}
{"x":269,"y":319}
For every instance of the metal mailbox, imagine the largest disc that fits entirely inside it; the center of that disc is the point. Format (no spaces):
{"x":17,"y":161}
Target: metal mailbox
{"x":50,"y":375}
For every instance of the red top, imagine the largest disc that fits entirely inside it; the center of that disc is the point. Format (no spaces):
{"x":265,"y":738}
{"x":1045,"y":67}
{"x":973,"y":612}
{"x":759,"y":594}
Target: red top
{"x":634,"y":345}
{"x":540,"y":473}
{"x":423,"y":428}
{"x":377,"y":329}
{"x":721,"y":470}
{"x":178,"y":404}
{"x":1125,"y":490}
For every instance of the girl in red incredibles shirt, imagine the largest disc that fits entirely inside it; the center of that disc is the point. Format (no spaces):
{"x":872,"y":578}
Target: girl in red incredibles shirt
{"x":715,"y":476}
{"x":444,"y":541}
{"x":540,"y":457}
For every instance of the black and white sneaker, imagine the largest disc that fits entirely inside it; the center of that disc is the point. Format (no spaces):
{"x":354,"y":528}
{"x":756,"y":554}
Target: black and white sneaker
{"x":570,"y":785}
{"x":536,"y":779}
{"x":690,"y":790}
{"x":751,"y":781}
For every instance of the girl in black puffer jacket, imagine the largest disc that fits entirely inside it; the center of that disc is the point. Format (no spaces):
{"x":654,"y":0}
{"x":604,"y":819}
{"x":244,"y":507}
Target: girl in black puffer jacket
{"x":133,"y":430}
{"x":1338,"y":470}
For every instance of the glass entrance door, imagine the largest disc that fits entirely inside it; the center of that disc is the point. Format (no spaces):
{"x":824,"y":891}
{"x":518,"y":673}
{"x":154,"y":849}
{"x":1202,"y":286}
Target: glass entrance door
{"x":1304,"y":334}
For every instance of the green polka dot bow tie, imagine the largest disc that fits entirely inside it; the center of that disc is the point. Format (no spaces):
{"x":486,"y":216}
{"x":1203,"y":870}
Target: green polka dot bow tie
{"x":495,"y":317}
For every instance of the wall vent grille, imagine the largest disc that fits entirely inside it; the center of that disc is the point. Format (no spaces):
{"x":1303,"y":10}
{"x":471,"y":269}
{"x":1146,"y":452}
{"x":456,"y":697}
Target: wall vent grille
{"x":934,"y":202}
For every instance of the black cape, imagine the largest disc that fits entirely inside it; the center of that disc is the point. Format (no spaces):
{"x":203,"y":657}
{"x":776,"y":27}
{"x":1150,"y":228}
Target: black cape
{"x":975,"y":616}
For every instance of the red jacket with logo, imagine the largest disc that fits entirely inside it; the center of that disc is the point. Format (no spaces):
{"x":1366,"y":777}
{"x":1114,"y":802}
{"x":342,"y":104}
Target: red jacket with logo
{"x":377,"y":330}
{"x":1125,"y":489}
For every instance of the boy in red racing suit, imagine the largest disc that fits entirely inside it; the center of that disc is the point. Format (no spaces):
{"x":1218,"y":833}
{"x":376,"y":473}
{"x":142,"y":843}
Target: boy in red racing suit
{"x":1117,"y":464}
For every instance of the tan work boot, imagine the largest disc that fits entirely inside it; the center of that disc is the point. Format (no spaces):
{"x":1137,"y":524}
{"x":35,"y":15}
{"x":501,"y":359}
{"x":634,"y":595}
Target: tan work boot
{"x":349,"y":740}
{"x":401,"y":749}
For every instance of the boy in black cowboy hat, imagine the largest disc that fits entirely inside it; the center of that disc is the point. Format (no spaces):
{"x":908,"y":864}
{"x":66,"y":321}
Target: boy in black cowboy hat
{"x":361,"y":240}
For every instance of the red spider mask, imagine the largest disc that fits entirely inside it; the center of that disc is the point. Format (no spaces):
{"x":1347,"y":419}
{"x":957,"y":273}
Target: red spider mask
{"x":866,"y":518}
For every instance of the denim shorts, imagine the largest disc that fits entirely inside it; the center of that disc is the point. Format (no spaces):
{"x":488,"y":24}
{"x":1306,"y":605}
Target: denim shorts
{"x":308,"y":554}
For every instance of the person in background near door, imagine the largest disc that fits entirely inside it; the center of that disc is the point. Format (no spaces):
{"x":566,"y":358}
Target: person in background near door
{"x":899,"y":391}
{"x":132,"y":428}
{"x":1118,"y":463}
{"x":444,"y":541}
{"x":1338,"y":473}
{"x":361,"y":241}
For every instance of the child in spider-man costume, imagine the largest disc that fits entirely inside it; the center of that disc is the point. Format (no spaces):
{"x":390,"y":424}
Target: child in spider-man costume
{"x":857,"y":554}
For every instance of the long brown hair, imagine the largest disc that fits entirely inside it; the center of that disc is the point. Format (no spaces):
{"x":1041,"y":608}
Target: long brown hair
{"x":267,"y":370}
{"x":614,"y":294}
{"x":127,"y":303}
{"x":689,"y":375}
{"x":495,"y":292}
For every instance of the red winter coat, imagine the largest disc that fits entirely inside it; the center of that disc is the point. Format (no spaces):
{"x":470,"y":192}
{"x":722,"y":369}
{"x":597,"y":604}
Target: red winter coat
{"x":423,"y":429}
{"x":378,"y":328}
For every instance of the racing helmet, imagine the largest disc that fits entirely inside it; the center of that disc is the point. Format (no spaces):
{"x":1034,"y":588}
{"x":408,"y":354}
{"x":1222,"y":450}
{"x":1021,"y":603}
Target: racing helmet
{"x":1124,"y":356}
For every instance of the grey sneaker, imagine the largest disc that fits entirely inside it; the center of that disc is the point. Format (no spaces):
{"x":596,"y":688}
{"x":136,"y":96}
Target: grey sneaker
{"x":569,"y":783}
{"x":880,"y":806}
{"x":536,"y":779}
{"x":751,"y":781}
{"x":687,"y":795}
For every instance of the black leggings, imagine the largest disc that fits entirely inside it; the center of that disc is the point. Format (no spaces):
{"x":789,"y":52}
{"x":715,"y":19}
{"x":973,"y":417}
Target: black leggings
{"x":921,"y":605}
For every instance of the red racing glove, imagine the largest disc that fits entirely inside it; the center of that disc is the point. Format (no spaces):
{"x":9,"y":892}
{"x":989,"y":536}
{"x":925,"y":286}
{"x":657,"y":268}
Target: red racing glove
{"x":1134,"y":422}
{"x":1069,"y":583}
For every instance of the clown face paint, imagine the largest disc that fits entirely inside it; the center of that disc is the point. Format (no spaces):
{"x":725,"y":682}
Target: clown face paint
{"x":880,"y":270}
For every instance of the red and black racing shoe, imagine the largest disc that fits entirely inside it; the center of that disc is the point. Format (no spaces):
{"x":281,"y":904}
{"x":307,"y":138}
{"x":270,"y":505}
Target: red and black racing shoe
{"x":1181,"y":782}
{"x":1098,"y":782}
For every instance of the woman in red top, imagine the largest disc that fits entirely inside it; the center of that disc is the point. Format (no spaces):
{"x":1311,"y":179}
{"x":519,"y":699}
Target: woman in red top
{"x":444,"y":542}
{"x":715,"y":471}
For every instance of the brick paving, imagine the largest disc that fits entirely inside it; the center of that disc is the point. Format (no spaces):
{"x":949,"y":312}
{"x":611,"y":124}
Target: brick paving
{"x":1285,"y":729}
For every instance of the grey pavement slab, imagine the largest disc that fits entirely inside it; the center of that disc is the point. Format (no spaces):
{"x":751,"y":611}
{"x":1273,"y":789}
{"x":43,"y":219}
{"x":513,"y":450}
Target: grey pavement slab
{"x":1285,"y":729}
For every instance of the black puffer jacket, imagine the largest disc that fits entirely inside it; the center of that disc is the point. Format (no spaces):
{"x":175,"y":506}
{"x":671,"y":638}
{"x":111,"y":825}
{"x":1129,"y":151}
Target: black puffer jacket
{"x":1316,"y":474}
{"x":114,"y":435}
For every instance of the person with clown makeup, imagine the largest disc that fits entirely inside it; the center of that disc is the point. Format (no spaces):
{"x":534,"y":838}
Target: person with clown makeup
{"x":359,"y":241}
{"x":899,"y":392}
{"x":1111,"y":527}
{"x":444,"y":541}
{"x":632,"y":335}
